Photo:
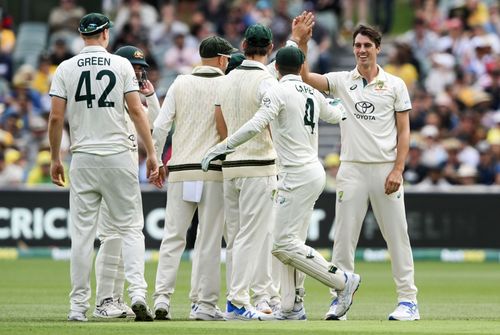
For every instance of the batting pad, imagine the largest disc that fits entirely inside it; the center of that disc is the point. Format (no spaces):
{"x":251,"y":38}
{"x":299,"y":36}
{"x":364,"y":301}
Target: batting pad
{"x":292,"y":286}
{"x":106,"y":267}
{"x":309,"y":261}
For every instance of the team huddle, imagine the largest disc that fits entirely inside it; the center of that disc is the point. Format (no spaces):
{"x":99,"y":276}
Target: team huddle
{"x":245,"y":157}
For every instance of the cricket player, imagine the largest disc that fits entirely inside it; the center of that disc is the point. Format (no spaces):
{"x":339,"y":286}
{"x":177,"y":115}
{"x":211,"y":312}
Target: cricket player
{"x":190,"y":103}
{"x":110,"y":276}
{"x":295,"y":108}
{"x":375,"y":143}
{"x":93,"y":86}
{"x":265,"y":284}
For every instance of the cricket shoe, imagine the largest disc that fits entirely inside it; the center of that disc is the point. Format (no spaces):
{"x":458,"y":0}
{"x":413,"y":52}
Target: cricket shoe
{"x":343,"y":302}
{"x":77,"y":316}
{"x":141,"y":310}
{"x":207,"y":313}
{"x":124,"y":307}
{"x":406,"y":311}
{"x":108,"y":310}
{"x":264,"y":307}
{"x":194,"y":308}
{"x":297,"y":313}
{"x":162,"y":311}
{"x":332,"y":313}
{"x":246,"y":313}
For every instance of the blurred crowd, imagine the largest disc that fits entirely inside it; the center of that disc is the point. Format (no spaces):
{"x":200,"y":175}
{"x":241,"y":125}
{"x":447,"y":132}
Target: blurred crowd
{"x":449,"y":59}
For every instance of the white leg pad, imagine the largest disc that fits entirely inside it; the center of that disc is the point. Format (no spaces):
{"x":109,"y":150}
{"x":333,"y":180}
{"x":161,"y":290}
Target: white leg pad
{"x":106,"y":265}
{"x":309,"y":261}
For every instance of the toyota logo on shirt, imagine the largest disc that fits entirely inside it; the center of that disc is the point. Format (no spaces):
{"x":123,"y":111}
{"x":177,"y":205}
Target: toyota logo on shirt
{"x":364,"y":107}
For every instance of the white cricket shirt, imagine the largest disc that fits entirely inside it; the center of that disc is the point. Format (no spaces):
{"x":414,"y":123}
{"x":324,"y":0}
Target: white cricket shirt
{"x":94,"y":84}
{"x":369,"y":133}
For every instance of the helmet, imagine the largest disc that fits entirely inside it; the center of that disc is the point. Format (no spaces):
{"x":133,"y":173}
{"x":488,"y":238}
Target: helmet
{"x":133,"y":54}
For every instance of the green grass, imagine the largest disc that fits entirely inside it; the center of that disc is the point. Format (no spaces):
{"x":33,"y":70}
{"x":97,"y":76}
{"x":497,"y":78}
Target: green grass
{"x":453,"y":298}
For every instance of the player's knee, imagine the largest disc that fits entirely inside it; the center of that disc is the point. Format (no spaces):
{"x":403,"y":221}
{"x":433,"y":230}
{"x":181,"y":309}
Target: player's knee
{"x":280,"y":252}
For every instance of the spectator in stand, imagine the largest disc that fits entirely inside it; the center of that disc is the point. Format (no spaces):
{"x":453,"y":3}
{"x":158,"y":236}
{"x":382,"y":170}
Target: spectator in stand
{"x":486,"y":166}
{"x":423,"y":43}
{"x":433,"y":152}
{"x":60,"y":52}
{"x":11,"y":168}
{"x":434,"y":179}
{"x":441,"y":73}
{"x":64,"y":19}
{"x":43,"y":75}
{"x":450,"y":169}
{"x":216,"y":11}
{"x":466,"y":175}
{"x":161,"y":33}
{"x":134,"y":32}
{"x":400,"y":64}
{"x":7,"y":35}
{"x":415,"y":171}
{"x":147,"y":14}
{"x":40,"y":173}
{"x":181,"y":58}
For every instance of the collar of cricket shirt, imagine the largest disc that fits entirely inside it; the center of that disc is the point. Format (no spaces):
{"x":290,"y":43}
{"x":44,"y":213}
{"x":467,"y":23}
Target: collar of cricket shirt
{"x":207,"y":71}
{"x":291,"y":77}
{"x":380,"y":80}
{"x":93,"y":48}
{"x":249,"y":63}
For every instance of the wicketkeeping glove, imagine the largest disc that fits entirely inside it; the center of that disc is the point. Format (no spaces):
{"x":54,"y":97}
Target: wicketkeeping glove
{"x":218,"y":151}
{"x":337,"y":103}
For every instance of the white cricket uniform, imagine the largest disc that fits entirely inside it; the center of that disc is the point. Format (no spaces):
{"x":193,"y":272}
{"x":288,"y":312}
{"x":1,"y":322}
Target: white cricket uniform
{"x":249,"y":182}
{"x":94,"y":83}
{"x":294,"y":108}
{"x":190,"y":104}
{"x":368,"y":152}
{"x":110,"y":276}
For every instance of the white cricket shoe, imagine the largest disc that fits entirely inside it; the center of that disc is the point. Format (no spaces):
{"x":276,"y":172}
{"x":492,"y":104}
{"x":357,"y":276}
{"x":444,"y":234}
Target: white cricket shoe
{"x":264,"y":307}
{"x":124,"y":307}
{"x":246,"y":313}
{"x":343,"y":302}
{"x":77,"y":316}
{"x":332,"y":312}
{"x":108,"y":310}
{"x":406,"y":311}
{"x":141,"y":309}
{"x":207,"y":313}
{"x":297,"y":313}
{"x":194,"y":307}
{"x":162,"y":311}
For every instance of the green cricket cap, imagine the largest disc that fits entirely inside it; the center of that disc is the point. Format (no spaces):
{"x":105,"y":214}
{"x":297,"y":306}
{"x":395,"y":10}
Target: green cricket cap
{"x":94,"y":23}
{"x":235,"y":61}
{"x":214,"y":46}
{"x":290,"y":57}
{"x":258,"y":35}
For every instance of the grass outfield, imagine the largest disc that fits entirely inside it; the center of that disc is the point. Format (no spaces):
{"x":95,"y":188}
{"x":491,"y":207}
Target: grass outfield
{"x":454,"y":299}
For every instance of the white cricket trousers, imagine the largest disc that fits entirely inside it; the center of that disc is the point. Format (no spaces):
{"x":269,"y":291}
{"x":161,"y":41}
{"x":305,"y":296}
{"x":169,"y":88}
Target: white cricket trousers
{"x":249,"y":214}
{"x":357,"y":185}
{"x":298,"y":190}
{"x":206,"y":265}
{"x":114,"y":179}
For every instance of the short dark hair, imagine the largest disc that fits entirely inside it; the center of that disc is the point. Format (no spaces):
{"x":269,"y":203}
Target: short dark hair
{"x":285,"y":70}
{"x":370,"y":32}
{"x":252,"y":50}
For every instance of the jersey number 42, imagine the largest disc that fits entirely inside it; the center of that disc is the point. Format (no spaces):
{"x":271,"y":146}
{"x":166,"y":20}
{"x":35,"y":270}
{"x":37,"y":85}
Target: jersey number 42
{"x":88,"y":96}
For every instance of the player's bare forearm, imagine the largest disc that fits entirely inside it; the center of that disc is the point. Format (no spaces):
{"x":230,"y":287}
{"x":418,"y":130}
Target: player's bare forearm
{"x":403,"y":145}
{"x":220,"y":123}
{"x":55,"y":129}
{"x":56,"y":125}
{"x":316,"y":80}
{"x":395,"y":177}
